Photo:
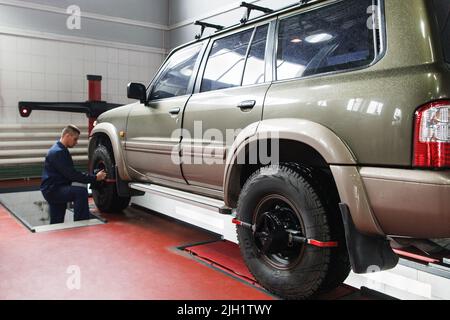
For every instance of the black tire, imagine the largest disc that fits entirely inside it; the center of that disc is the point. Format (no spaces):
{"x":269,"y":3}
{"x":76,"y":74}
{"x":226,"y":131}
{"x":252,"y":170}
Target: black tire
{"x":339,"y":267}
{"x":105,"y":194}
{"x":274,"y":198}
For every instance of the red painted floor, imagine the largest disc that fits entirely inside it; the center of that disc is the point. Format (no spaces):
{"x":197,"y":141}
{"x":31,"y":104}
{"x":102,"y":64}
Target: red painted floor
{"x":225,"y":256}
{"x":133,"y":256}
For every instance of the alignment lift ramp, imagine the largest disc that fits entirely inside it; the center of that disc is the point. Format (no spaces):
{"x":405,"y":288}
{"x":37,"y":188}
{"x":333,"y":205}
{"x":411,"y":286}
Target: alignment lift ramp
{"x":417,"y":276}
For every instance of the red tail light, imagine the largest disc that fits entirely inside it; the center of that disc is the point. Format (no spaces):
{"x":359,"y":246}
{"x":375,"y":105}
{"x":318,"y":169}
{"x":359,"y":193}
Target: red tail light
{"x":432,"y":135}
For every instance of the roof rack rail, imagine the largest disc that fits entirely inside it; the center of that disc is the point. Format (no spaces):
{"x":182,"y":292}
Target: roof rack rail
{"x":251,"y":7}
{"x":205,"y":25}
{"x":246,"y":18}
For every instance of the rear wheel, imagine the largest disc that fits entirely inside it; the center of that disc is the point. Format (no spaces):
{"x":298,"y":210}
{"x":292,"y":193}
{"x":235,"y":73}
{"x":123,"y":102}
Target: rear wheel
{"x":339,"y":267}
{"x":105,"y":194}
{"x":280,"y":203}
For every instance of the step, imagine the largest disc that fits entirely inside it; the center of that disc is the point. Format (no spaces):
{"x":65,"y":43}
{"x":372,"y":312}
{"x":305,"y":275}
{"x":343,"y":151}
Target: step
{"x":36,"y":127}
{"x":187,"y":197}
{"x":34,"y":144}
{"x":35,"y":160}
{"x":34,"y":135}
{"x":36,"y":152}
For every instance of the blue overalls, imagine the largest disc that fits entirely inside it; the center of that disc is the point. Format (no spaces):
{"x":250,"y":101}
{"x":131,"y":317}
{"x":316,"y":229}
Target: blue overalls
{"x":56,"y":186}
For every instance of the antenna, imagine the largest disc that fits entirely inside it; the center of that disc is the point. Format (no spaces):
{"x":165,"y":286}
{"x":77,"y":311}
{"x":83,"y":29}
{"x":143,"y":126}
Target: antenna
{"x":251,"y":7}
{"x":205,"y":25}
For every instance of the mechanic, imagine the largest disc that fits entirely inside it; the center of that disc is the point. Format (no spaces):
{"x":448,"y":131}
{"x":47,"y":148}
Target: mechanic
{"x":61,"y":182}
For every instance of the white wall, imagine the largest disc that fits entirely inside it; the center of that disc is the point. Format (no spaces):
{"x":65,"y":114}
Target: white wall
{"x":139,"y":22}
{"x":42,"y":60}
{"x":33,"y":69}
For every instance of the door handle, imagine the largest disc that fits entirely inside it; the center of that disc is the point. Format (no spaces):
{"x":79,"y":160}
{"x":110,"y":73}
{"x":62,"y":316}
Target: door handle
{"x":174,"y":111}
{"x":246,"y":105}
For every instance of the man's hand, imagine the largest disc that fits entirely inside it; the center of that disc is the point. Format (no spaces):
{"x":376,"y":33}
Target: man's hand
{"x":101,"y":175}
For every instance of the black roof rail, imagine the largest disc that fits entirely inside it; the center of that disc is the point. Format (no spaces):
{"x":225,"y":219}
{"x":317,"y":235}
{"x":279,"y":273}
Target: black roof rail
{"x":246,"y":17}
{"x":251,"y":7}
{"x":205,"y":25}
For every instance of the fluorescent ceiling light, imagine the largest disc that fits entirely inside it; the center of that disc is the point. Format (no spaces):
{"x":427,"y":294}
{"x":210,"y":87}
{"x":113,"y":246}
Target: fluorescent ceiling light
{"x":320,"y":37}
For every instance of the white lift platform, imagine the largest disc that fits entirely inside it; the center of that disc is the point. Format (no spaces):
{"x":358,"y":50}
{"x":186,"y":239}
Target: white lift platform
{"x":410,"y":280}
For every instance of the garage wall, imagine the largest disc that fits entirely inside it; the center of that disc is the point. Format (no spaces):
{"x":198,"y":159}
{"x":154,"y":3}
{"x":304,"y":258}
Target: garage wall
{"x":139,"y":22}
{"x":33,"y":69}
{"x":42,"y":60}
{"x":184,"y":12}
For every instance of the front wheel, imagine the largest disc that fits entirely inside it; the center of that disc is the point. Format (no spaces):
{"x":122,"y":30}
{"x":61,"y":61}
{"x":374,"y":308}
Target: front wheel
{"x":279,"y":202}
{"x":105,"y":194}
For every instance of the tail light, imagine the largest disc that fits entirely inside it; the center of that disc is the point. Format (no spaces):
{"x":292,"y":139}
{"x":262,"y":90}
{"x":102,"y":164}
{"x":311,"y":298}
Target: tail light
{"x":432,"y":135}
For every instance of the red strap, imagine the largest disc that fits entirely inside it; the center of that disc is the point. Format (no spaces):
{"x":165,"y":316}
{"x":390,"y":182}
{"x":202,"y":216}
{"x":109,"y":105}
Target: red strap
{"x":320,"y":244}
{"x":236,"y":222}
{"x":415,"y":256}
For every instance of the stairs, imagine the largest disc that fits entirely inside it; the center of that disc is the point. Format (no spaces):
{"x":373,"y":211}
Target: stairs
{"x":23,"y":149}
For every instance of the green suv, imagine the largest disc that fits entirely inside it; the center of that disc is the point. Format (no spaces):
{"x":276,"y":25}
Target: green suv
{"x":321,"y":128}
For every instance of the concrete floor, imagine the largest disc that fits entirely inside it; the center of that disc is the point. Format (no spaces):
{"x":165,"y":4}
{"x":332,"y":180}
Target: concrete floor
{"x":133,"y":256}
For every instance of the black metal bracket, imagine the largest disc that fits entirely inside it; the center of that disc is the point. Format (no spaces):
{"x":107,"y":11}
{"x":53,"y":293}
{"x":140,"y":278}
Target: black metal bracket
{"x":293,"y":236}
{"x":205,"y":25}
{"x":251,"y":7}
{"x":91,"y":109}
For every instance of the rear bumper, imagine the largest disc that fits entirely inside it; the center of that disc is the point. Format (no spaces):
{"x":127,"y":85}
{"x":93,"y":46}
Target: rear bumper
{"x":410,"y":203}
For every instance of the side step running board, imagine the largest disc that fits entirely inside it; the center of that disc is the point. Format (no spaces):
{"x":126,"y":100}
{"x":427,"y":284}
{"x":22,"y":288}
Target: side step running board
{"x":194,"y":199}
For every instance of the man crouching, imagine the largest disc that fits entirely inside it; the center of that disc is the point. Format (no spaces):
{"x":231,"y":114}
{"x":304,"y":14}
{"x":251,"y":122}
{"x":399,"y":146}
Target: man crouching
{"x":58,"y":175}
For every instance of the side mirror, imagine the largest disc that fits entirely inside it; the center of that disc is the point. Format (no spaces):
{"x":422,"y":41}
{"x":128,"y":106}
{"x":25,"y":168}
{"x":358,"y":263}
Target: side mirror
{"x":137,"y":91}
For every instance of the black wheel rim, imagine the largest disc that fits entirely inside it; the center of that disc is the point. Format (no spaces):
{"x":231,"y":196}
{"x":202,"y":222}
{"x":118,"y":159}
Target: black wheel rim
{"x":101,"y":191}
{"x":275,"y":219}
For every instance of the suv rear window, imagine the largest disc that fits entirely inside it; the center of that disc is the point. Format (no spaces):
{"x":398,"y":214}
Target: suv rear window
{"x":226,"y":62}
{"x":332,"y":38}
{"x":442,"y":11}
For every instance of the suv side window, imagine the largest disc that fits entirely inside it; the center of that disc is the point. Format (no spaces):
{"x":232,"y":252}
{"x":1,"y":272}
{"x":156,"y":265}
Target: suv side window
{"x":332,"y":38}
{"x":441,"y":9}
{"x":226,"y":62}
{"x":174,"y":79}
{"x":255,"y":67}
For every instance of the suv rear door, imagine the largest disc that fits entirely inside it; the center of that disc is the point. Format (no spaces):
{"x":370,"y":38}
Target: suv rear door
{"x":229,"y":95}
{"x":153,"y":131}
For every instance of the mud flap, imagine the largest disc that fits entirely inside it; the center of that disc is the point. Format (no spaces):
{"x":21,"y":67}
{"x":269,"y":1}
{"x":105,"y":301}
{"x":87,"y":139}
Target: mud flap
{"x":122,"y":186}
{"x":367,"y":253}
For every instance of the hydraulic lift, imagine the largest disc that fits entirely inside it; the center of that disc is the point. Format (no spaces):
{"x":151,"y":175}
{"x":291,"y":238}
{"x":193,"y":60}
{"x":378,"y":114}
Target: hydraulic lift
{"x":417,"y":276}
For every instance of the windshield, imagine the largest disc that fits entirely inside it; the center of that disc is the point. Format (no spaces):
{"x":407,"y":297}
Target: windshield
{"x":442,"y":11}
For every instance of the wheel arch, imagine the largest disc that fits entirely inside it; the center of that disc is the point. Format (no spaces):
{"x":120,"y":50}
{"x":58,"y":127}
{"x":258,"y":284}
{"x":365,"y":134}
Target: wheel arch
{"x":106,"y":132}
{"x":308,"y":143}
